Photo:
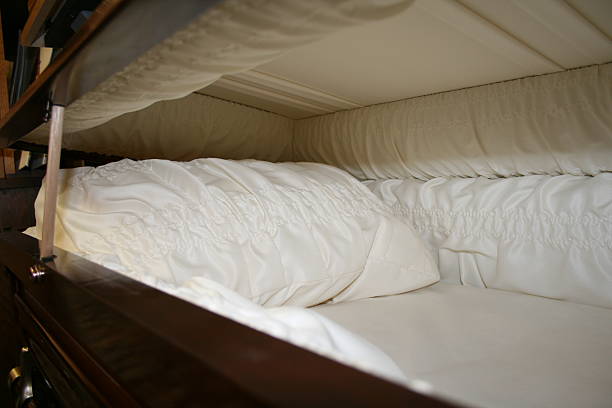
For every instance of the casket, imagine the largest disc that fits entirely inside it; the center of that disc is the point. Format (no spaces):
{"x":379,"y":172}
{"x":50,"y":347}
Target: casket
{"x":325,"y":203}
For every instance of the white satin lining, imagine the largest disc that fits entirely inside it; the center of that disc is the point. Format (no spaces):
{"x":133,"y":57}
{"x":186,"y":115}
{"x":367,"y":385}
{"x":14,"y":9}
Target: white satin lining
{"x":541,"y":235}
{"x":552,"y":124}
{"x":276,"y":233}
{"x":491,"y":348}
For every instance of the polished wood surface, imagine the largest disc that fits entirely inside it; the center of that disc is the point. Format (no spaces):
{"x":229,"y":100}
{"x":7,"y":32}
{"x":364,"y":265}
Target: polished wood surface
{"x":9,"y":161}
{"x":132,"y":344}
{"x":40,"y":11}
{"x":67,"y":386}
{"x":105,"y":45}
{"x":69,"y":156}
{"x":20,"y":182}
{"x":4,"y":73}
{"x":31,"y":108}
{"x":17,"y":203}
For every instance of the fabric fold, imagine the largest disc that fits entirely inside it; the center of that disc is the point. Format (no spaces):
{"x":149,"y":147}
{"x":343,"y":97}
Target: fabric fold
{"x":542,"y":235}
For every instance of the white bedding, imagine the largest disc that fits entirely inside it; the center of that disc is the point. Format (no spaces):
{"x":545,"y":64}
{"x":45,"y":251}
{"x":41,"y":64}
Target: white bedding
{"x":233,"y":235}
{"x":542,"y":235}
{"x":299,"y":326}
{"x":491,"y":348}
{"x":553,"y":124}
{"x":233,"y":36}
{"x":277,"y":233}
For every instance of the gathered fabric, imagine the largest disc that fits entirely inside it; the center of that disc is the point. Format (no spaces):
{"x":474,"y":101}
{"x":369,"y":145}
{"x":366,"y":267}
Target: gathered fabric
{"x":542,"y":235}
{"x":232,"y":36}
{"x":185,"y":129}
{"x":552,"y":124}
{"x":277,"y":233}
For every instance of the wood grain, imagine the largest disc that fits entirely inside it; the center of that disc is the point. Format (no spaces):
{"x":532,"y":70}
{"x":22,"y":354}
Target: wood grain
{"x":124,"y":337}
{"x":30,"y":110}
{"x":89,"y":159}
{"x":17,"y":206}
{"x":10,"y":341}
{"x":39,"y":13}
{"x":4,"y":72}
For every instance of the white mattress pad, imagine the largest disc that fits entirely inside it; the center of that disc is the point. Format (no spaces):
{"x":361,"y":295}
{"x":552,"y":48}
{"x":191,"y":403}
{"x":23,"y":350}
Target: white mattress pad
{"x":487,"y":347}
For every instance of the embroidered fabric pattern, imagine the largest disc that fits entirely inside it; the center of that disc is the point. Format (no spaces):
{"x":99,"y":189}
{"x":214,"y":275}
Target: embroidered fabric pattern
{"x":543,"y":235}
{"x":107,"y":172}
{"x":235,"y":218}
{"x":554,"y":230}
{"x":285,"y":233}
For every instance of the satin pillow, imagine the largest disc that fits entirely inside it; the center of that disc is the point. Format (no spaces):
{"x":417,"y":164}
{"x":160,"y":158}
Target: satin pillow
{"x":278,"y":234}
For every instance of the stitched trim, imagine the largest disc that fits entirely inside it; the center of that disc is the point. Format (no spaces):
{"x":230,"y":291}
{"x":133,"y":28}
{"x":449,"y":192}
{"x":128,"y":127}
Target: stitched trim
{"x":560,"y":230}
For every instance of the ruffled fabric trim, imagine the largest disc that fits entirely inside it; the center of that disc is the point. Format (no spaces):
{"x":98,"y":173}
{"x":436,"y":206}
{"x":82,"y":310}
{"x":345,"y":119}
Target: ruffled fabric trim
{"x":541,"y":235}
{"x":559,"y":231}
{"x":552,"y":124}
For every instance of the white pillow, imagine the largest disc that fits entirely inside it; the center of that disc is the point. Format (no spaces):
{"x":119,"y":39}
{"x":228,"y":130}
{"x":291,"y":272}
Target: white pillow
{"x":288,"y":233}
{"x":304,"y":327}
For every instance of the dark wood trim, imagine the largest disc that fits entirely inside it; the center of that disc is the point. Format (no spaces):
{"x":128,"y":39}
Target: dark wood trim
{"x":30,"y":110}
{"x":11,"y":341}
{"x":4,"y":71}
{"x":91,"y":159}
{"x":126,"y":337}
{"x":20,"y":182}
{"x":105,"y":45}
{"x":17,"y":197}
{"x":39,"y":13}
{"x":9,"y":161}
{"x":73,"y":382}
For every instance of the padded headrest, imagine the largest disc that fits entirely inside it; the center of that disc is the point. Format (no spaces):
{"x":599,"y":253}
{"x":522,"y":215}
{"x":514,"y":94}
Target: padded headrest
{"x":553,"y":124}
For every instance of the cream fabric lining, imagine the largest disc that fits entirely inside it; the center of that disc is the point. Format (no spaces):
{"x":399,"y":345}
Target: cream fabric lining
{"x":552,"y":124}
{"x":234,"y":36}
{"x":185,"y":129}
{"x":276,"y":233}
{"x":490,"y":348}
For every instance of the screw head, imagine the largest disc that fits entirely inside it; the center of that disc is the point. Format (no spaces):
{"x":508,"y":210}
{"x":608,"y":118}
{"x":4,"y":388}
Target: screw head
{"x":37,"y":271}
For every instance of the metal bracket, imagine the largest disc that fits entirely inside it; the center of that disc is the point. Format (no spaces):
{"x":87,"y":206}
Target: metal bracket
{"x":38,"y":271}
{"x":51,"y":181}
{"x":47,"y":113}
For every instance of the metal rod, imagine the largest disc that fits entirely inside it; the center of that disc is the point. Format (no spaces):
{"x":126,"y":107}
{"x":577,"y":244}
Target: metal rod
{"x":51,"y":179}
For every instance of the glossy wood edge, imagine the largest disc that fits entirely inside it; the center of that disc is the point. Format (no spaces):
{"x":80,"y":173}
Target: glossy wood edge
{"x":34,"y":179}
{"x":20,"y":182}
{"x":116,"y":357}
{"x":32,"y":324}
{"x":271,"y":370}
{"x":105,"y":45}
{"x":39,"y":13}
{"x":30,"y":110}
